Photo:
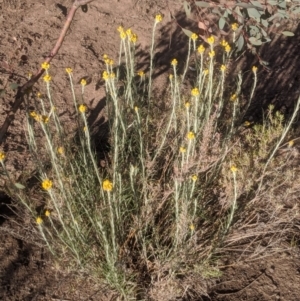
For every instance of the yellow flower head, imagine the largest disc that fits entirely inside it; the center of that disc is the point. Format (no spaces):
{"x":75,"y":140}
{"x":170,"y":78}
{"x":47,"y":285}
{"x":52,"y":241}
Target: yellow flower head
{"x":133,"y":38}
{"x":38,"y":94}
{"x":39,"y":220}
{"x":29,"y":75}
{"x":35,"y":116}
{"x":44,"y":118}
{"x":194,"y":178}
{"x":223,"y":68}
{"x":47,"y":184}
{"x":47,"y":78}
{"x":171,"y":76}
{"x":234,"y":26}
{"x":187,"y":104}
{"x":129,"y":32}
{"x":2,"y":156}
{"x":291,"y":143}
{"x":224,"y":43}
{"x":158,"y":18}
{"x":211,"y":54}
{"x":254,"y":69}
{"x":136,"y":108}
{"x":105,"y":75}
{"x":182,"y":149}
{"x":194,"y":37}
{"x":112,"y":75}
{"x":47,"y":213}
{"x":107,"y":185}
{"x":247,"y":123}
{"x":82,"y":108}
{"x":190,"y":135}
{"x":201,"y":49}
{"x":45,"y":66}
{"x":83,"y":82}
{"x":120,"y":29}
{"x":192,"y":227}
{"x":141,"y":74}
{"x":195,"y":92}
{"x":227,"y":48}
{"x":60,"y":150}
{"x":69,"y":70}
{"x":174,"y":62}
{"x":233,"y":169}
{"x":210,"y":40}
{"x":206,"y":72}
{"x":123,"y":35}
{"x":233,"y":97}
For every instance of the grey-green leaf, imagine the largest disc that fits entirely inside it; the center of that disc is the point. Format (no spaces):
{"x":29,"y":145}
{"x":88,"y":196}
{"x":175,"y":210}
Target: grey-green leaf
{"x":19,"y":186}
{"x":240,"y":43}
{"x":255,"y":41}
{"x":187,"y":8}
{"x":221,"y":23}
{"x":288,"y":33}
{"x":14,"y":86}
{"x":187,"y":32}
{"x":253,"y":13}
{"x":202,"y":4}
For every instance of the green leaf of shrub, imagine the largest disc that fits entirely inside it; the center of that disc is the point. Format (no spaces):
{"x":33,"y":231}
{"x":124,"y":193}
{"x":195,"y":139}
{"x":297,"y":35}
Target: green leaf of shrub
{"x":288,"y":33}
{"x":253,"y":13}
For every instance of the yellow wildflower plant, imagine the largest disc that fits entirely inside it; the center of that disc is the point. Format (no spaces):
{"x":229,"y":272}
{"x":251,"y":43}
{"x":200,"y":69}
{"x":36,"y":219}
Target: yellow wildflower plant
{"x":105,"y":75}
{"x":234,"y":26}
{"x":201,"y":49}
{"x":39,"y":220}
{"x":206,"y":72}
{"x":60,"y":150}
{"x":47,"y":78}
{"x":39,"y":94}
{"x":2,"y":156}
{"x":133,"y":38}
{"x":233,"y":168}
{"x":187,"y":104}
{"x":192,"y":227}
{"x":254,"y":69}
{"x":44,"y":119}
{"x":141,"y":73}
{"x":174,"y":62}
{"x":194,"y":178}
{"x":47,"y":184}
{"x":83,"y":82}
{"x":107,"y":185}
{"x":190,"y":135}
{"x":212,"y":54}
{"x":129,"y":32}
{"x":69,"y":70}
{"x":223,"y":68}
{"x":47,"y":213}
{"x":194,"y":37}
{"x":45,"y":66}
{"x":211,"y":40}
{"x":182,"y":149}
{"x":158,"y":18}
{"x":291,"y":143}
{"x":195,"y":92}
{"x":136,"y":109}
{"x":82,"y":108}
{"x":233,"y":97}
{"x":227,"y":48}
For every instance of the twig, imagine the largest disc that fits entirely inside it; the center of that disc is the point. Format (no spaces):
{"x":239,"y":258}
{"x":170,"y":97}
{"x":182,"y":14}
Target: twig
{"x":19,"y":98}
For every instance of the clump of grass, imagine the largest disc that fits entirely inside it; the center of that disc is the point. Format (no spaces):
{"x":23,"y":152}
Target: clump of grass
{"x":155,"y":212}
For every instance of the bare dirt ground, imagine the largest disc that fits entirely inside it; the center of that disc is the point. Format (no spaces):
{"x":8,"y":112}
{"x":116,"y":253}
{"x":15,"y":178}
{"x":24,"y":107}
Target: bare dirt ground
{"x":28,"y":31}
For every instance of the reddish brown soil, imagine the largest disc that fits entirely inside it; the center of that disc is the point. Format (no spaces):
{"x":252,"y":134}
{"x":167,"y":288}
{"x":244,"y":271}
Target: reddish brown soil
{"x":28,"y":31}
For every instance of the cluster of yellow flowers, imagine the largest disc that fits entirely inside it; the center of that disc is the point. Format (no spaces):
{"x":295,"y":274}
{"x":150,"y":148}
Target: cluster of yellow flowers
{"x":108,"y":75}
{"x":2,"y":156}
{"x":39,"y":117}
{"x":226,"y":46}
{"x":201,"y":49}
{"x":195,"y":92}
{"x":132,"y":37}
{"x":108,"y":61}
